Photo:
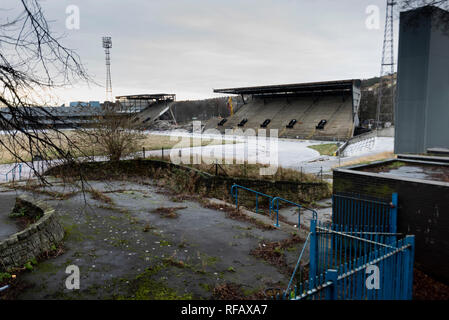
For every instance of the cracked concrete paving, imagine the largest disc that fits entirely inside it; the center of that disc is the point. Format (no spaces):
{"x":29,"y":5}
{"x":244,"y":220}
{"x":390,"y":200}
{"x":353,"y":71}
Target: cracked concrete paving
{"x":109,"y":245}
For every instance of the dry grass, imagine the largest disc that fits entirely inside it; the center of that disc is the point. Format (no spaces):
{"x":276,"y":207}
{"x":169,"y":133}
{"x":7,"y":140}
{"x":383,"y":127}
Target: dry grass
{"x":39,"y":189}
{"x":19,"y":138}
{"x":100,"y":196}
{"x":157,"y":142}
{"x":89,"y":148}
{"x":368,"y":159}
{"x":233,"y":291}
{"x":168,"y":212}
{"x":273,"y":252}
{"x":252,"y":171}
{"x":325,"y":149}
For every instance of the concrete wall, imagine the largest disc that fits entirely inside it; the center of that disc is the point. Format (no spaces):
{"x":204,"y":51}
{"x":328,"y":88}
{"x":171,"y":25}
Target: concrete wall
{"x":422,"y":108}
{"x":421,"y":212}
{"x":28,"y":244}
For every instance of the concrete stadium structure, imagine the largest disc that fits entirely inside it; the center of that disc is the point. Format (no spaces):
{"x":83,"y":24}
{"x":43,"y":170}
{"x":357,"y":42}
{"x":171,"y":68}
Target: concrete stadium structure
{"x":422,"y":108}
{"x":296,"y":110}
{"x":56,"y":117}
{"x":146,"y":107}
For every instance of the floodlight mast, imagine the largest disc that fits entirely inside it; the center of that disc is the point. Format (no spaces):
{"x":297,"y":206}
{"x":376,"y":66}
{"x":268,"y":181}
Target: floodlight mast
{"x":107,"y":44}
{"x":386,"y":90}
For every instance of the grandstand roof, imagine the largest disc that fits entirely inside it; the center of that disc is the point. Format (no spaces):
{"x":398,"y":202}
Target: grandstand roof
{"x":327,"y":86}
{"x":154,"y":96}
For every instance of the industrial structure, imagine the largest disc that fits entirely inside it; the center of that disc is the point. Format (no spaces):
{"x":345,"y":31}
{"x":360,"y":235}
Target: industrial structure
{"x":386,"y":92}
{"x":146,"y":107}
{"x":107,"y":45}
{"x":319,"y":110}
{"x":422,"y":109}
{"x":75,"y":116}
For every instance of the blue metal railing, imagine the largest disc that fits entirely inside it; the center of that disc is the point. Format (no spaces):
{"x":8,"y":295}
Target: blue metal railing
{"x":234,"y":193}
{"x":13,"y":172}
{"x":365,"y":213}
{"x":275,"y":207}
{"x":339,"y":258}
{"x":297,"y":265}
{"x":273,"y":203}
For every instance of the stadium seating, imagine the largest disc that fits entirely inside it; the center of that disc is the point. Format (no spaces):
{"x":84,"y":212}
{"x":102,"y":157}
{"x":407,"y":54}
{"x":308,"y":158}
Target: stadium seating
{"x":295,"y":117}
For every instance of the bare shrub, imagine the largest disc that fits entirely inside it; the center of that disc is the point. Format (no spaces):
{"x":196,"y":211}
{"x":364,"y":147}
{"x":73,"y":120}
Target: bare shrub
{"x":115,"y":135}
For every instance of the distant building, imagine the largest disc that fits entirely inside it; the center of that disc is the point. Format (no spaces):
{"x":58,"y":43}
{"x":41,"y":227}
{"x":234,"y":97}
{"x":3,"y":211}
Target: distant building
{"x":95,"y":104}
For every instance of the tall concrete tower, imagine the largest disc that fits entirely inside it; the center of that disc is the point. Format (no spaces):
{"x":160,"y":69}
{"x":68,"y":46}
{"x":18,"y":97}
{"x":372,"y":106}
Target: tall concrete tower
{"x":422,"y":109}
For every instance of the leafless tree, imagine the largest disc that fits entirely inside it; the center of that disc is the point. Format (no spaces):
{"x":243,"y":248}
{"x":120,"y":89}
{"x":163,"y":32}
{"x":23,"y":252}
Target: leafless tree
{"x":33,"y":61}
{"x":115,"y":135}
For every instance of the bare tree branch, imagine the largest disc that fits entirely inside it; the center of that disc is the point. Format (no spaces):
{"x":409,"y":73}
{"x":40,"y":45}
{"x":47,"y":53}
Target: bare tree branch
{"x":32,"y":62}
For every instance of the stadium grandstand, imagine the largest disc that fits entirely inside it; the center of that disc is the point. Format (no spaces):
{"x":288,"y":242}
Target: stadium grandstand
{"x":79,"y":115}
{"x":318,"y":111}
{"x":144,"y":108}
{"x":148,"y":107}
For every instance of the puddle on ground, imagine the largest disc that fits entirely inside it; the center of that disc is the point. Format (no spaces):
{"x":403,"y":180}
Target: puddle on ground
{"x":423,"y":172}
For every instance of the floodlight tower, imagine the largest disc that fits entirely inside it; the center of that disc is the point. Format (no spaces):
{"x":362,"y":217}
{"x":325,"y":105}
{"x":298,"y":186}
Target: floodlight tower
{"x":386,"y":91}
{"x":107,"y":44}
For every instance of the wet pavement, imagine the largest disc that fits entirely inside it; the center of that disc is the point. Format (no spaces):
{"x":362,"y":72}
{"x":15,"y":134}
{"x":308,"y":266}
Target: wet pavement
{"x":114,"y":243}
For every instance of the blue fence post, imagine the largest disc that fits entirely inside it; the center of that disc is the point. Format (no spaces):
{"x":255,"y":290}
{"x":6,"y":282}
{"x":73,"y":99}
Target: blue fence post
{"x":409,"y":262}
{"x":257,"y":203}
{"x":313,"y":253}
{"x":236,"y":198}
{"x":394,"y":215}
{"x":277,"y":214}
{"x":332,"y":290}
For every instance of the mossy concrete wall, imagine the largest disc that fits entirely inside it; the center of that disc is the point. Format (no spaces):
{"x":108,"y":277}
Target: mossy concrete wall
{"x":31,"y":242}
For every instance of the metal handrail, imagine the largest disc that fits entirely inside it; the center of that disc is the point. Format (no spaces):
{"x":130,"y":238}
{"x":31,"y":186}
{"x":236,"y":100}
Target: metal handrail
{"x":273,"y":200}
{"x":235,"y":188}
{"x":276,"y":200}
{"x":13,"y":171}
{"x":276,"y":208}
{"x":297,"y":265}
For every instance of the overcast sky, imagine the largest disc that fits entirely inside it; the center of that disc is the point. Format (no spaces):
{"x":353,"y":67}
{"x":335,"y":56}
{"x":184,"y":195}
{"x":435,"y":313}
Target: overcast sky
{"x":191,"y":47}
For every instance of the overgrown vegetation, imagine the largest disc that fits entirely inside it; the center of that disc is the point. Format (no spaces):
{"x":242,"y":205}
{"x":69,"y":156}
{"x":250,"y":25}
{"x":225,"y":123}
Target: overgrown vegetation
{"x":252,"y":171}
{"x":12,"y":277}
{"x":273,"y":252}
{"x":187,"y":180}
{"x":233,"y":291}
{"x":100,"y":196}
{"x":25,"y":213}
{"x":144,"y":287}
